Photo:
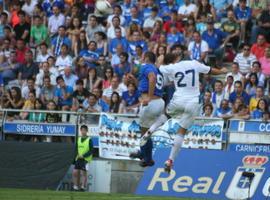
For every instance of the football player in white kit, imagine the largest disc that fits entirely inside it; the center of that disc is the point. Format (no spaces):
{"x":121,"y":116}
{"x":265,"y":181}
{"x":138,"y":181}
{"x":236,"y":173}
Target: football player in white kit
{"x":184,"y":105}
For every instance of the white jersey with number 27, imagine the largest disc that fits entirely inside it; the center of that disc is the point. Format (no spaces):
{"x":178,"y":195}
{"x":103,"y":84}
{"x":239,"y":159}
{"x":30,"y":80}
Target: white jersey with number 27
{"x":185,"y":75}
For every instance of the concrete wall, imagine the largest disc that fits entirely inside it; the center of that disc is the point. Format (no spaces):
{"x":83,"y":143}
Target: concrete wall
{"x":125,"y":176}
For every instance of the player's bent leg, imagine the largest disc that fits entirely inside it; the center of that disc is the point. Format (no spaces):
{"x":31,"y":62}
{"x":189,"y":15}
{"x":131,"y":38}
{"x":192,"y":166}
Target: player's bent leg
{"x":160,"y":121}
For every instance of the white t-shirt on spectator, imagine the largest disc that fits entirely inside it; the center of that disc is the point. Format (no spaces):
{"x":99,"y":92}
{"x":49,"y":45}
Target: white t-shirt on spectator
{"x":108,"y":91}
{"x":70,"y":80}
{"x":54,"y":22}
{"x":111,"y":32}
{"x":203,"y":47}
{"x":53,"y":75}
{"x":25,"y":92}
{"x":150,"y":22}
{"x":42,"y":58}
{"x":187,"y":10}
{"x":236,"y":77}
{"x":29,"y":8}
{"x":245,"y":63}
{"x":62,"y":62}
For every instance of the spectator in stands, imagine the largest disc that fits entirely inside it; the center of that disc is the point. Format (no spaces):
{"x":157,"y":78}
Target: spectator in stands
{"x":232,"y":28}
{"x":173,"y":21}
{"x":167,"y":10}
{"x":63,"y":94}
{"x":235,"y":73}
{"x":74,"y":30}
{"x":69,"y":77}
{"x":30,"y":87}
{"x":204,"y":11}
{"x":186,"y":10}
{"x":46,"y":70}
{"x":37,"y":116}
{"x":80,"y":44}
{"x":92,"y":80}
{"x":239,"y":109}
{"x":174,"y":37}
{"x":5,"y":50}
{"x":229,"y":88}
{"x":14,"y":99}
{"x":43,"y":54}
{"x":136,"y":41}
{"x":134,"y":17}
{"x":150,"y":21}
{"x":81,"y":68}
{"x":52,"y":117}
{"x":108,"y":75}
{"x":198,"y":48}
{"x":55,"y":21}
{"x":255,"y":99}
{"x":29,"y":69}
{"x":130,"y":99}
{"x":117,"y":11}
{"x":21,"y":51}
{"x":92,"y":27}
{"x":123,"y":67}
{"x":39,"y":32}
{"x":243,"y":15}
{"x":221,"y":6}
{"x":102,"y":43}
{"x":208,"y":81}
{"x":256,"y":68}
{"x":10,"y":70}
{"x":208,"y":110}
{"x":262,"y":108}
{"x":224,"y":112}
{"x":29,"y":104}
{"x":217,"y":94}
{"x":263,"y":25}
{"x":102,"y":65}
{"x":22,"y":29}
{"x":111,"y":29}
{"x":118,"y":40}
{"x":3,"y":22}
{"x":104,"y":106}
{"x":239,"y":92}
{"x":215,"y":38}
{"x":59,"y":40}
{"x":47,"y":91}
{"x":92,"y":106}
{"x":64,"y":59}
{"x":265,"y":62}
{"x":90,"y":55}
{"x":115,"y":87}
{"x":245,"y":59}
{"x":79,"y":95}
{"x":115,"y":103}
{"x":252,"y":84}
{"x":258,"y":48}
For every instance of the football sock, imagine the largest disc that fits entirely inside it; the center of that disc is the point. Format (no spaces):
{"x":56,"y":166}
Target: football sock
{"x":160,"y":120}
{"x":178,"y":141}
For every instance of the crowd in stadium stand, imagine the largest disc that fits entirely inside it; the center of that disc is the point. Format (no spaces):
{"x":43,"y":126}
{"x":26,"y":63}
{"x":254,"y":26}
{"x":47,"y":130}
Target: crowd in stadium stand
{"x":62,"y":55}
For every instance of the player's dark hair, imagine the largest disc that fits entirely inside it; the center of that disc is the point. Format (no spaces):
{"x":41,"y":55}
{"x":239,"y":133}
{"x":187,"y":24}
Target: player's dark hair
{"x":169,"y":58}
{"x":150,"y":56}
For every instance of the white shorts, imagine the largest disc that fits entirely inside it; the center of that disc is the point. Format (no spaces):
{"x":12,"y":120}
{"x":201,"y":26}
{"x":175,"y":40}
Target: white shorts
{"x":149,"y":113}
{"x":183,"y":111}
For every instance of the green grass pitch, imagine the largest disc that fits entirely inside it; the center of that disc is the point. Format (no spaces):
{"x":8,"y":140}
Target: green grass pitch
{"x":22,"y":194}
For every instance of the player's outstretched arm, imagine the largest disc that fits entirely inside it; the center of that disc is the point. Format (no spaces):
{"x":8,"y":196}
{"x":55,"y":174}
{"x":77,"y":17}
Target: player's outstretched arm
{"x":215,"y":71}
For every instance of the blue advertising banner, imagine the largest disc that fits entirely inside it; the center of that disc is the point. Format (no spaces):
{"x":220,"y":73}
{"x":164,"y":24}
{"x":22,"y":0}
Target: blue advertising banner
{"x":249,"y":148}
{"x":39,"y":129}
{"x":249,"y":126}
{"x":221,"y":177}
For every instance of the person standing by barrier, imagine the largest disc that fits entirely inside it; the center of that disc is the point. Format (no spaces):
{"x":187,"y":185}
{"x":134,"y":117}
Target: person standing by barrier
{"x":84,"y":156}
